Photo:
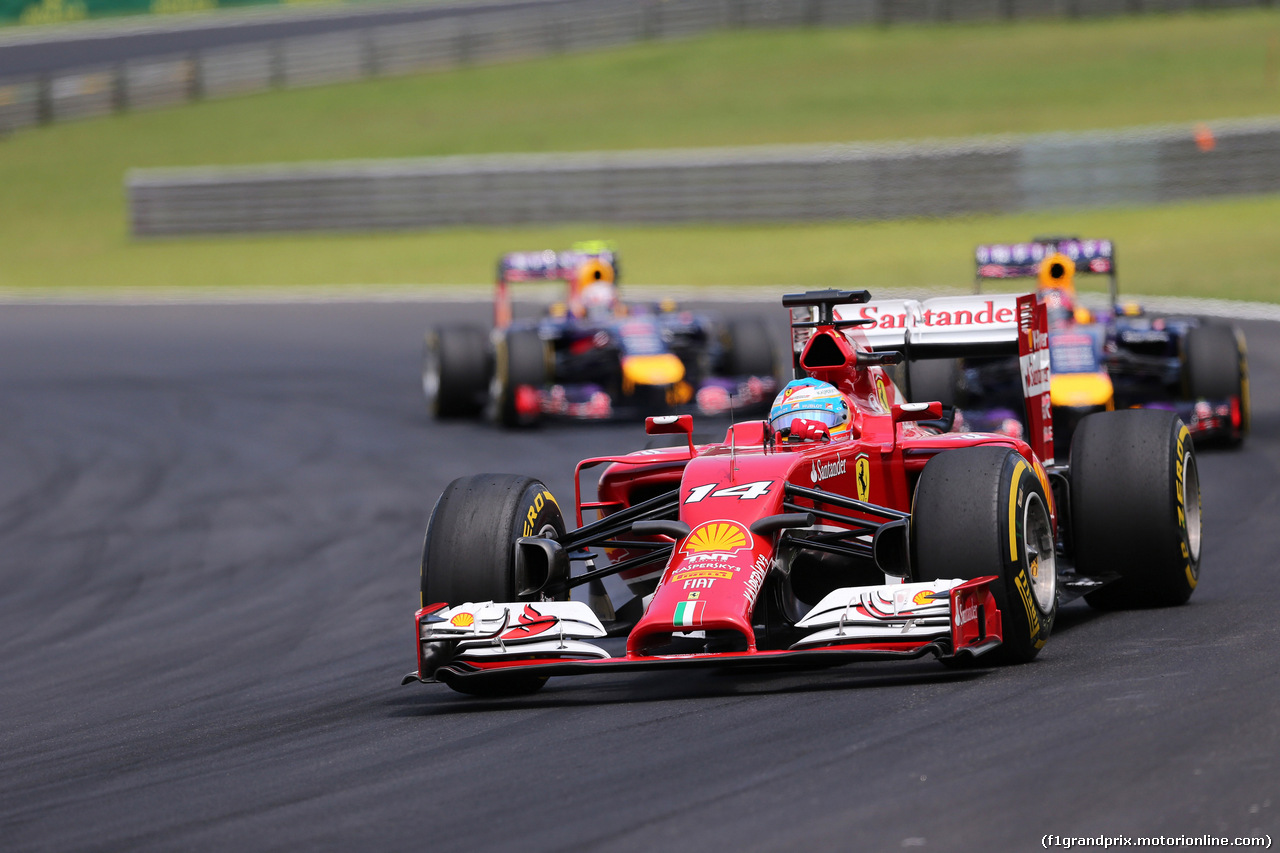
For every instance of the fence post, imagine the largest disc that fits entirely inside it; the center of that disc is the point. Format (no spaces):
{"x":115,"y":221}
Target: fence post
{"x":369,"y":65}
{"x":44,"y":99}
{"x":650,"y":20}
{"x":462,"y":42}
{"x":119,"y":88}
{"x":195,"y":85}
{"x":277,"y":76}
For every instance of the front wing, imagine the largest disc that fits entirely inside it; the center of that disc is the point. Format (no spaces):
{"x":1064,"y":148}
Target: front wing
{"x":489,"y":640}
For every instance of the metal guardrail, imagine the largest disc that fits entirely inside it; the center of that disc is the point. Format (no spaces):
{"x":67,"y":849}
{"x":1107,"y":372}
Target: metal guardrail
{"x":782,"y":184}
{"x":492,"y":35}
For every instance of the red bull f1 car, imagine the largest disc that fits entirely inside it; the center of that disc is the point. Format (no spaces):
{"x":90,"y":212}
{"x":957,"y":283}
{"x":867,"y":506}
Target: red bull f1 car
{"x":591,"y":356}
{"x":1115,"y":358}
{"x":844,"y":527}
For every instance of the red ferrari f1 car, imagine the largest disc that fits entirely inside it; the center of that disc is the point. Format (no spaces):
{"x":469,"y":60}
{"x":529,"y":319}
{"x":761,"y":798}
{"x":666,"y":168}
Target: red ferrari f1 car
{"x":845,"y":527}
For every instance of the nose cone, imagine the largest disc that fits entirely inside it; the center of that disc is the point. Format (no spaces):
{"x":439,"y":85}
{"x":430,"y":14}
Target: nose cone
{"x":663,"y":369}
{"x":1078,"y":390}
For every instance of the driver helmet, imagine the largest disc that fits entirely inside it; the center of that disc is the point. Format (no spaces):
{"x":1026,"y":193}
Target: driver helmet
{"x":593,"y":292}
{"x":811,"y":400}
{"x":1057,"y":271}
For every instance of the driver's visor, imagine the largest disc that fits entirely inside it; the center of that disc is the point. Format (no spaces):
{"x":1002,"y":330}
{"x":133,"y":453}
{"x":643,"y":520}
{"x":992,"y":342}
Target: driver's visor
{"x":823,"y":415}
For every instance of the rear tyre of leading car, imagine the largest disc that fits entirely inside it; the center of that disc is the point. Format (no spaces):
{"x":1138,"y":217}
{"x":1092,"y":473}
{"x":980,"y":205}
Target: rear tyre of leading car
{"x":1135,"y":507}
{"x":1216,"y":367}
{"x":748,"y":349}
{"x":982,"y":511}
{"x":521,"y":369}
{"x":455,"y":371}
{"x":469,"y":552}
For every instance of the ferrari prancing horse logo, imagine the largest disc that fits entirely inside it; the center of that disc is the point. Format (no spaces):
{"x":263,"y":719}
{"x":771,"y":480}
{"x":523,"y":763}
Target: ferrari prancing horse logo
{"x":882,"y":393}
{"x":862,"y":474}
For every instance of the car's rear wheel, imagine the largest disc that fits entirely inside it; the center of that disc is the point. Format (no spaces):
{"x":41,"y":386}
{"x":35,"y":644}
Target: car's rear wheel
{"x":1135,"y":507}
{"x":748,"y":349}
{"x":521,"y":369}
{"x":455,"y":371}
{"x":983,"y":511}
{"x":469,"y":552}
{"x":1216,"y":367}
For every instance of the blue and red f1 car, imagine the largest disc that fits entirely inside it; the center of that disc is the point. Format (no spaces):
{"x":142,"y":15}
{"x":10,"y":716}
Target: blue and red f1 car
{"x":1115,"y":358}
{"x":591,"y":355}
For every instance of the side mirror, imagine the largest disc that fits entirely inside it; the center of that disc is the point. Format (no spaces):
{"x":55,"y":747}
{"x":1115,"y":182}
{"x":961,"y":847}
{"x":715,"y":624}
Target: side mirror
{"x":671,"y":425}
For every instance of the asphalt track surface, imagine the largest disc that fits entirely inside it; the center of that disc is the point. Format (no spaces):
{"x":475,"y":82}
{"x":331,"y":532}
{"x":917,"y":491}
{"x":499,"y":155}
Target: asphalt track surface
{"x":210,"y":522}
{"x":106,"y":44}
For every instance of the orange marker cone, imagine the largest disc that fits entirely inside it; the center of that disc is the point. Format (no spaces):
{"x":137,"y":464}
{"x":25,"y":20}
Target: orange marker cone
{"x":1204,"y":137}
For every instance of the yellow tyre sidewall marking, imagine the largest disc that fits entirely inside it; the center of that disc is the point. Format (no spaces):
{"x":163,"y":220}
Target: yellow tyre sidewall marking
{"x":540,"y":500}
{"x":1184,"y":436}
{"x":1013,"y":511}
{"x":1020,"y":579}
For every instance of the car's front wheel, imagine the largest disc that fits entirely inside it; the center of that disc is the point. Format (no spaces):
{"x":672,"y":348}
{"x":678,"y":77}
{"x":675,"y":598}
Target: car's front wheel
{"x":469,"y":551}
{"x":983,"y":511}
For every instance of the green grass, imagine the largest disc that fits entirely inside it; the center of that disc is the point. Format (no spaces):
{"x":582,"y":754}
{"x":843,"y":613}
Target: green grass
{"x":62,"y":213}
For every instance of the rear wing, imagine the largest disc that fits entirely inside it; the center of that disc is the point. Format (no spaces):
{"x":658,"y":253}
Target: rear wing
{"x":550,"y":265}
{"x":1022,"y":260}
{"x":960,"y":327}
{"x":545,"y":266}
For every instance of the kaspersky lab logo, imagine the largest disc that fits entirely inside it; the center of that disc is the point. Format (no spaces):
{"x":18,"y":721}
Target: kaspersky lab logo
{"x":823,"y":470}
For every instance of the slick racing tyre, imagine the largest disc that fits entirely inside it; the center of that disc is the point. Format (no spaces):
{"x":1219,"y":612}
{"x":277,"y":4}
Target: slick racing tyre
{"x":748,"y":349}
{"x":455,"y":371}
{"x":469,"y":552}
{"x":1135,"y":507}
{"x":522,"y":361}
{"x":983,"y":511}
{"x":1216,"y":367}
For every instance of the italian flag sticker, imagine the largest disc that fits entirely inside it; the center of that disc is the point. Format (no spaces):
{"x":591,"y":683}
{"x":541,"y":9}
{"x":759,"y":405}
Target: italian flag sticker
{"x":688,"y":614}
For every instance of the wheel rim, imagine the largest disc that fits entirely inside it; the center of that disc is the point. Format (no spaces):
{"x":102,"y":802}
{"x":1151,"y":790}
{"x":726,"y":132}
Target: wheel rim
{"x":1038,"y":548}
{"x":1191,"y":505}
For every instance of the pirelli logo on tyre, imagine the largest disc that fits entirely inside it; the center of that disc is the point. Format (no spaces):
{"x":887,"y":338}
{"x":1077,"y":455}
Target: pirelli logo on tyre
{"x":1028,"y":603}
{"x":1179,"y":479}
{"x":531,"y":515}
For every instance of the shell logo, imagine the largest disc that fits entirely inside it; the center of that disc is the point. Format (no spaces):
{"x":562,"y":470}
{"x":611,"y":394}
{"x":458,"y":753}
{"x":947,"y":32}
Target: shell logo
{"x":463,"y":620}
{"x":719,"y":536}
{"x":925,"y":596}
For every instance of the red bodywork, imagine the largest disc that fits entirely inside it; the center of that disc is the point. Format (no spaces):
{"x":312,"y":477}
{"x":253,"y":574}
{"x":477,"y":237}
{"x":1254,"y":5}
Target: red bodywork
{"x":713,"y":579}
{"x":742,"y":480}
